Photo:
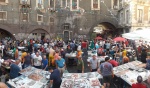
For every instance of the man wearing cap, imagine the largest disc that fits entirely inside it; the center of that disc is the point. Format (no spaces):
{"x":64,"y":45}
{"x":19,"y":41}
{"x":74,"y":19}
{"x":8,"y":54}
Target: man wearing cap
{"x":93,"y":64}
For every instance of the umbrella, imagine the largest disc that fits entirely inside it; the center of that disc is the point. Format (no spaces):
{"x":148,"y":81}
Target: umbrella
{"x":98,"y":38}
{"x":119,"y":39}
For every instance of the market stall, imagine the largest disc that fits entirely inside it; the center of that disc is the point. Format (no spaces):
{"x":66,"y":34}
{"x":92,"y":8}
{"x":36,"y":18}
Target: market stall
{"x":81,"y":80}
{"x":31,"y":78}
{"x":130,"y":71}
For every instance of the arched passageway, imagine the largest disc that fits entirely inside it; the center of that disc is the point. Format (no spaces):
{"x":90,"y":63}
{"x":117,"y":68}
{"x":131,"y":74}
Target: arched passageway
{"x":5,"y":34}
{"x":39,"y":34}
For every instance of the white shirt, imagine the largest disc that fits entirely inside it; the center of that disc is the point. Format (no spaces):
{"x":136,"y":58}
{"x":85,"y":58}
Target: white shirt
{"x":37,"y":60}
{"x":79,"y":47}
{"x":20,"y":66}
{"x":45,"y":45}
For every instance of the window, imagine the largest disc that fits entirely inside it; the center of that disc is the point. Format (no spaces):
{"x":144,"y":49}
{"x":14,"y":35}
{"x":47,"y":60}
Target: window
{"x":95,"y":4}
{"x":24,"y":1}
{"x":39,"y":18}
{"x":34,"y":33}
{"x":74,"y":5}
{"x":63,"y":3}
{"x":127,"y":16}
{"x":140,"y":15}
{"x":52,"y":3}
{"x":3,"y":1}
{"x":115,"y":4}
{"x":25,"y":16}
{"x":40,"y":3}
{"x":66,"y":27}
{"x":51,"y":20}
{"x":3,"y":15}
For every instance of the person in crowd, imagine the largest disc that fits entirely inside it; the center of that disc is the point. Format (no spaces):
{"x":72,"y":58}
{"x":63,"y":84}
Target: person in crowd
{"x":84,"y":48}
{"x":148,"y":61}
{"x":62,"y":53}
{"x":56,"y":55}
{"x":113,"y":62}
{"x":106,"y":69}
{"x":143,"y":56}
{"x":139,"y":83}
{"x":44,"y":63}
{"x":125,"y":60}
{"x":148,"y":82}
{"x":69,"y":50}
{"x":80,"y":65}
{"x":14,"y":69}
{"x":108,"y":45}
{"x":37,"y":60}
{"x":124,"y":53}
{"x":61,"y":65}
{"x":16,"y":54}
{"x":28,"y":60}
{"x":51,"y":57}
{"x":55,"y":78}
{"x":3,"y":85}
{"x":96,"y":46}
{"x":23,"y":56}
{"x":32,"y":54}
{"x":100,"y":51}
{"x":93,"y":64}
{"x":117,"y":56}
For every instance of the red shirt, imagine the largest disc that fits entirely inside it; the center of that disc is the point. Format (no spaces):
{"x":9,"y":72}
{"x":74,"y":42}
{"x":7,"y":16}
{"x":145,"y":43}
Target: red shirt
{"x":84,"y":45}
{"x":138,"y":85}
{"x":114,"y":63}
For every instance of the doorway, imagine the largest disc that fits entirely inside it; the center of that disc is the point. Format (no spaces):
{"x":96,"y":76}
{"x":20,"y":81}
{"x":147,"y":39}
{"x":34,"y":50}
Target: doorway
{"x":66,"y":36}
{"x":42,"y":36}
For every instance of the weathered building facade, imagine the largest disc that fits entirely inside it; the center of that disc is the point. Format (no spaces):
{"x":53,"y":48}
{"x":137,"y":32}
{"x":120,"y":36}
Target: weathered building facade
{"x":134,"y":15}
{"x":57,"y":18}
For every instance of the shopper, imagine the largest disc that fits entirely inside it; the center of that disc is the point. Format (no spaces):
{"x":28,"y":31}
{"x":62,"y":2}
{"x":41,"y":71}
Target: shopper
{"x":55,"y":78}
{"x":106,"y":69}
{"x":44,"y":63}
{"x":93,"y":64}
{"x":139,"y":83}
{"x":14,"y":69}
{"x":61,"y":64}
{"x":37,"y":60}
{"x":28,"y":60}
{"x":80,"y":65}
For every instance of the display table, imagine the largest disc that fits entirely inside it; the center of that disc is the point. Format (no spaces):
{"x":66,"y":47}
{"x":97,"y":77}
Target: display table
{"x":130,"y":71}
{"x":70,"y":55}
{"x":31,"y":78}
{"x":81,"y":80}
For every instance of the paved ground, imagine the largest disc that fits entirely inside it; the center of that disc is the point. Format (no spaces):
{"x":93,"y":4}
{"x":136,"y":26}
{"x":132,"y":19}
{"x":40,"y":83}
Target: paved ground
{"x":73,"y":69}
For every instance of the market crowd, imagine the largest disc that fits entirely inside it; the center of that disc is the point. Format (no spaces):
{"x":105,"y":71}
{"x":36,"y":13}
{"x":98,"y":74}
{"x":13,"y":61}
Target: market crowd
{"x":50,"y":55}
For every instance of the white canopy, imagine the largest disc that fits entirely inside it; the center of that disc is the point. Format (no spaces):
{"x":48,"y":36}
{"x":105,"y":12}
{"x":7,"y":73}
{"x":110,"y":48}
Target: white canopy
{"x":138,"y":35}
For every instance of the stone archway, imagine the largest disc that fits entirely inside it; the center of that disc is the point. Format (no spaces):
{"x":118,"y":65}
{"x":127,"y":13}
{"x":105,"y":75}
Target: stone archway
{"x":5,"y":34}
{"x":38,"y":34}
{"x":103,"y":29}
